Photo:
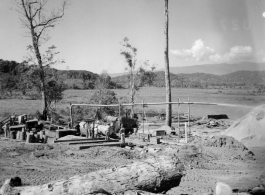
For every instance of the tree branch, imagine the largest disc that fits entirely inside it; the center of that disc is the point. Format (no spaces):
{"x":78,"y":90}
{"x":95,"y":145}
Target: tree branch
{"x":40,"y":8}
{"x":25,"y":9}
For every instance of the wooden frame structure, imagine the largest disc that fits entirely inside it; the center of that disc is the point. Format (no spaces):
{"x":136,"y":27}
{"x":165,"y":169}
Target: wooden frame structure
{"x":142,"y":104}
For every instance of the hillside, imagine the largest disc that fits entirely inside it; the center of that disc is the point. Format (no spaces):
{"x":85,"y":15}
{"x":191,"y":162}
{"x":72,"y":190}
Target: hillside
{"x":218,"y":69}
{"x":239,"y":79}
{"x":16,"y":76}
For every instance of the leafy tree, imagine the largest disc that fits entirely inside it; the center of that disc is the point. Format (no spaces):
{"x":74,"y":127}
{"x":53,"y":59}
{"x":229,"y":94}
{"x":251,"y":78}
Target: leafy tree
{"x":146,"y":76}
{"x":129,"y":52}
{"x":34,"y":17}
{"x":167,"y":75}
{"x":105,"y":97}
{"x":103,"y":81}
{"x":36,"y":74}
{"x":54,"y":93}
{"x":8,"y":83}
{"x":259,"y":89}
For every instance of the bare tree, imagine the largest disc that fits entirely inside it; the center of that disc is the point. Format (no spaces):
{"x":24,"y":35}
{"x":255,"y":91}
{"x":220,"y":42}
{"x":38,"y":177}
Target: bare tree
{"x":167,"y":75}
{"x":37,"y":20}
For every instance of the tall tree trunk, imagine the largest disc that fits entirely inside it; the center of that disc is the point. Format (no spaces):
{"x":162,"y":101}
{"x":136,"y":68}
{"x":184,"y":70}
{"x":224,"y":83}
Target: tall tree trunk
{"x":42,"y":74}
{"x":167,"y":75}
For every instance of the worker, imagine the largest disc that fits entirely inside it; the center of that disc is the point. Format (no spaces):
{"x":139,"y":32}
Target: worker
{"x":107,"y":135}
{"x":77,"y":127}
{"x":12,"y":119}
{"x":122,"y":134}
{"x":122,"y":130}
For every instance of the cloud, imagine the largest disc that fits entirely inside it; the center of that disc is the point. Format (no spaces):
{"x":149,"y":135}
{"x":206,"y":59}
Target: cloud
{"x":236,"y":54}
{"x":200,"y":52}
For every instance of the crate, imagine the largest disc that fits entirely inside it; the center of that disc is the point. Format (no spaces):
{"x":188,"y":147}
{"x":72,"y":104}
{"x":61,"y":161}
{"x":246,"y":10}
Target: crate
{"x":64,"y":132}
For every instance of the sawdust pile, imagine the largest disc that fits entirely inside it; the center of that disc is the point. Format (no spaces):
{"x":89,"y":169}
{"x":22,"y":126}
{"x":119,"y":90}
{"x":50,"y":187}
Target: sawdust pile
{"x":250,"y":129}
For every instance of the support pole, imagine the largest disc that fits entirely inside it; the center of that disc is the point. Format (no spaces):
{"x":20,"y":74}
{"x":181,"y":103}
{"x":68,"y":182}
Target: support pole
{"x":188,"y":115}
{"x":143,"y":113}
{"x":71,"y":117}
{"x":178,"y":118}
{"x":119,"y":110}
{"x":186,"y":133}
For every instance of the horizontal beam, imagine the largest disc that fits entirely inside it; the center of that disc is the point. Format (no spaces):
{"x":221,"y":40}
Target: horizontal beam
{"x":105,"y":144}
{"x":143,"y":104}
{"x":92,"y":142}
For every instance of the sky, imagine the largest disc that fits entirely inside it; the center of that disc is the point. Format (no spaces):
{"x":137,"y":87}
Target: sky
{"x":90,"y":34}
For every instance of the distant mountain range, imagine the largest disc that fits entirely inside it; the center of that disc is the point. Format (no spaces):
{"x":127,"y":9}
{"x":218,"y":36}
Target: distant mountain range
{"x":243,"y":75}
{"x":238,"y":79}
{"x":216,"y":69}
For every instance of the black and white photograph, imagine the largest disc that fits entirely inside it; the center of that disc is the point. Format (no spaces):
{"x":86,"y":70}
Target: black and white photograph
{"x":132,"y":97}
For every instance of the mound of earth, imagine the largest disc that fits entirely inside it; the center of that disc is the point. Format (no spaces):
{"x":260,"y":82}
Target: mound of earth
{"x":250,"y":129}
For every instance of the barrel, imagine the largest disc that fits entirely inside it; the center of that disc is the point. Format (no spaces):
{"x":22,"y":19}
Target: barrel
{"x":22,"y":135}
{"x":29,"y":138}
{"x":42,"y":133}
{"x":18,"y":135}
{"x":134,"y":131}
{"x":123,"y":138}
{"x":36,"y":138}
{"x":45,"y":139}
{"x":12,"y":134}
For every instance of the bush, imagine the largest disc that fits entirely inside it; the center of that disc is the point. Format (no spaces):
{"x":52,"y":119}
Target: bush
{"x":103,"y":96}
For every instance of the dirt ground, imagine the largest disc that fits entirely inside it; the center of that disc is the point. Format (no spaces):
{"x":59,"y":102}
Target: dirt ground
{"x":208,"y":158}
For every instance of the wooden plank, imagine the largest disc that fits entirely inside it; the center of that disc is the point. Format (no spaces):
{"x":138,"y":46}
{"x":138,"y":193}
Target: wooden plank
{"x":92,"y":142}
{"x":105,"y":144}
{"x":74,"y":140}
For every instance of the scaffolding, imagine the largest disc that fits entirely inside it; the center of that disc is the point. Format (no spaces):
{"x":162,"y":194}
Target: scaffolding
{"x":143,"y":104}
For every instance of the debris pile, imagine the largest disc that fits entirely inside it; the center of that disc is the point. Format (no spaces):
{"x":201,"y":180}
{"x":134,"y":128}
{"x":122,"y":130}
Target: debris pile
{"x":213,"y":123}
{"x":228,"y":147}
{"x":224,"y":141}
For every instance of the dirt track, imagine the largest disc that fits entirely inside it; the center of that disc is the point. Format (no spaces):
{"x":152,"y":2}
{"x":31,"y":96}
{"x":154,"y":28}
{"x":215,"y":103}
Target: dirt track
{"x":39,"y":163}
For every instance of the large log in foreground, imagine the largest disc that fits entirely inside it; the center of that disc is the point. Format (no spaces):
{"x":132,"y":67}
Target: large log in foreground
{"x":155,"y":174}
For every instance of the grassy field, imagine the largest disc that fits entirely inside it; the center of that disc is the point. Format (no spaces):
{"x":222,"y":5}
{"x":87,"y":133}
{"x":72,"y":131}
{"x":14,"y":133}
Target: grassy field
{"x":234,"y":103}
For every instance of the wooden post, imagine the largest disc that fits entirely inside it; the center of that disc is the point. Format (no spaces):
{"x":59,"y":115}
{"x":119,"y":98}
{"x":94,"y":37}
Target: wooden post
{"x":188,"y":115}
{"x":143,"y":113}
{"x":186,"y":133}
{"x":71,"y":117}
{"x":93,"y":129}
{"x":119,"y":110}
{"x":86,"y":126}
{"x":178,"y":118}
